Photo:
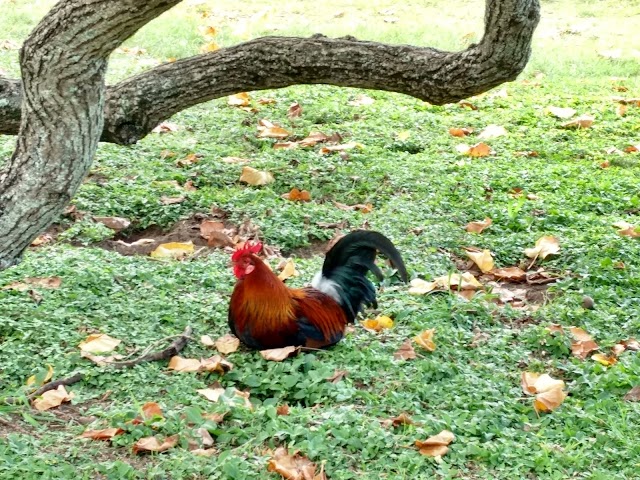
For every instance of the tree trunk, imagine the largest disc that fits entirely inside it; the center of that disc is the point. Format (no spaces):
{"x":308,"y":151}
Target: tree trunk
{"x":63,"y":110}
{"x":63,"y":64}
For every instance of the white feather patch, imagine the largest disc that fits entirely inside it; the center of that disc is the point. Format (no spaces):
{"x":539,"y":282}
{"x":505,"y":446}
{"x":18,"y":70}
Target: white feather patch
{"x":326,"y":286}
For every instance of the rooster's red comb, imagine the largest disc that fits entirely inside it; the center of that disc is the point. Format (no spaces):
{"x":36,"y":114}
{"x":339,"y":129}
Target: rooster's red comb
{"x":246,"y":249}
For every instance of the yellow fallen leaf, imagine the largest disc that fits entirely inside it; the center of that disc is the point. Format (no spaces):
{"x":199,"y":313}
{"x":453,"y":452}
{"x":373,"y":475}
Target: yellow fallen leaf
{"x":219,"y":394}
{"x":241,"y":99}
{"x":288,"y":270}
{"x":478,"y":226}
{"x":180,"y":364}
{"x":436,"y":446}
{"x":606,"y":360}
{"x":511,"y":274}
{"x":404,"y":135}
{"x":545,"y":246}
{"x":549,"y":400}
{"x":296,"y":195}
{"x":377,"y":324}
{"x":549,"y":391}
{"x":421,"y":287}
{"x":151,"y":410}
{"x":209,"y":47}
{"x":227,"y":344}
{"x":482,"y":258}
{"x":477,"y":150}
{"x":104,"y":434}
{"x":256,"y":177}
{"x":425,"y":339}
{"x":47,"y":376}
{"x":175,"y":250}
{"x":460,"y":132}
{"x":99,"y":343}
{"x":52,"y":399}
{"x":28,"y":283}
{"x":278,"y":354}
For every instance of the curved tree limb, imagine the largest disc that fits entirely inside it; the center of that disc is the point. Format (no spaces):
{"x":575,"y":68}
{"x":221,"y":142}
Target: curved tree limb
{"x":135,"y":106}
{"x":63,"y":63}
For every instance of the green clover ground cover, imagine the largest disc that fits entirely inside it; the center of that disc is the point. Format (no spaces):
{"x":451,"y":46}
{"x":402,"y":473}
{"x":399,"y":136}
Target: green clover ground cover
{"x":423,"y":192}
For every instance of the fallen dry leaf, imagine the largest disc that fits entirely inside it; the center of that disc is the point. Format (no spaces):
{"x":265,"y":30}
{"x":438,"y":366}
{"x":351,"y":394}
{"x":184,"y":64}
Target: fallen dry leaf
{"x":582,"y":344}
{"x":437,"y":445}
{"x":175,"y":250}
{"x":256,"y":177}
{"x":266,"y":129}
{"x":340,"y":148}
{"x":337,"y":376}
{"x":207,"y":341}
{"x":47,"y":376}
{"x":361,"y":100}
{"x":212,"y":364}
{"x":548,"y":391}
{"x":402,"y":419}
{"x":114,"y":223}
{"x":227,"y":344}
{"x":189,"y":160}
{"x":104,"y":434}
{"x":405,"y":352}
{"x":150,"y":410}
{"x":627,"y":230}
{"x":545,"y":246}
{"x":510,"y":274}
{"x":606,"y":360}
{"x":295,"y":110}
{"x":101,"y":359}
{"x":478,"y":226}
{"x":233,"y":160}
{"x":205,"y":452}
{"x":477,"y":150}
{"x":292,"y":467}
{"x":217,"y":394}
{"x":633,"y":395}
{"x":466,"y":281}
{"x":460,"y":132}
{"x":282,"y":410}
{"x":583,"y":121}
{"x":166,"y":127}
{"x":296,"y":195}
{"x":241,"y":99}
{"x":492,"y":131}
{"x":180,"y":364}
{"x":378,"y":324}
{"x":52,"y":399}
{"x":171,"y":200}
{"x":482,"y":258}
{"x":287,"y":269}
{"x":152,"y":444}
{"x":27,"y":283}
{"x":561,"y":112}
{"x":43,"y":239}
{"x":99,"y":343}
{"x":278,"y":354}
{"x":425,"y":339}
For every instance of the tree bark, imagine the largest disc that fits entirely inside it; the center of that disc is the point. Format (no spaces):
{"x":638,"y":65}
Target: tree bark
{"x":135,"y":106}
{"x":63,"y":64}
{"x":61,"y":109}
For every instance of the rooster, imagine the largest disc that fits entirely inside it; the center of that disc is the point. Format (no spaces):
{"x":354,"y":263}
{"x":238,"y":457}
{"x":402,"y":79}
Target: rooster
{"x":264,"y":313}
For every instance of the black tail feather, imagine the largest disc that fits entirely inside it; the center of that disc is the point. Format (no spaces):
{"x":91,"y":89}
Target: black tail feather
{"x":348,"y":263}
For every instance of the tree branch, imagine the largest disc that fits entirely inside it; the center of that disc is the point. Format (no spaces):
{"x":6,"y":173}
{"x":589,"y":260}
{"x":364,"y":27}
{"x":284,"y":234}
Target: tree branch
{"x":135,"y":106}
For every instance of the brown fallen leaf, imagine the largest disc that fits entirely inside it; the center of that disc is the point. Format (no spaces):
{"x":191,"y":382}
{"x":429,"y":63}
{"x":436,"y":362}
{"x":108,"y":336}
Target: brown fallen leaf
{"x":43,"y":239}
{"x":180,"y":364}
{"x":437,"y":445}
{"x":340,"y":148}
{"x":104,"y":434}
{"x":217,"y":394}
{"x":425,"y":339}
{"x":405,"y":352}
{"x":171,"y":200}
{"x":266,"y":129}
{"x":282,"y":409}
{"x":467,"y":104}
{"x":227,"y":344}
{"x":465,"y":281}
{"x":296,"y":195}
{"x":27,"y":283}
{"x":626,"y":229}
{"x":478,"y":226}
{"x":287,"y":269}
{"x":205,"y":452}
{"x":52,"y":399}
{"x":152,"y":444}
{"x":402,"y":419}
{"x":460,"y":132}
{"x":188,"y":160}
{"x":561,"y":112}
{"x":278,"y":354}
{"x":582,"y":344}
{"x":151,"y":410}
{"x":477,"y":150}
{"x":166,"y":127}
{"x":292,"y":467}
{"x":241,"y":99}
{"x":337,"y":376}
{"x":545,"y":246}
{"x":633,"y":395}
{"x":510,"y":274}
{"x":295,"y":110}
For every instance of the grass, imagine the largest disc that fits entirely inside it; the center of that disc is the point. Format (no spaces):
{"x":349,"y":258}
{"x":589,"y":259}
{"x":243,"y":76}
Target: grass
{"x":419,"y":184}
